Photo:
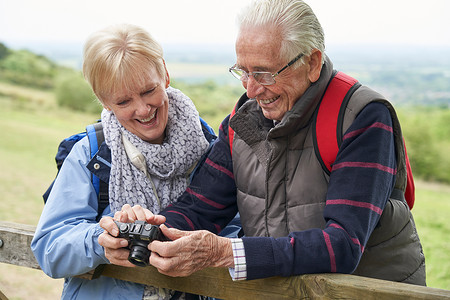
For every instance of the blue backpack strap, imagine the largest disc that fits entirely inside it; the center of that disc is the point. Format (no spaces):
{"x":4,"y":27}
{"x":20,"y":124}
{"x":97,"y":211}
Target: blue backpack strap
{"x":96,"y":138}
{"x":91,"y":131}
{"x":205,"y":126}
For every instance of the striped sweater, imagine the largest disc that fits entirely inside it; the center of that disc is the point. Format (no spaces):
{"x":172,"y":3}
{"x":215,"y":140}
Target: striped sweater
{"x":362,"y":179}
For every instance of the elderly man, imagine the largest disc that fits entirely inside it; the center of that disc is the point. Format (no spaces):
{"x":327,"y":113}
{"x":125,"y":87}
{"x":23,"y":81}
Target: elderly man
{"x":296,"y":217}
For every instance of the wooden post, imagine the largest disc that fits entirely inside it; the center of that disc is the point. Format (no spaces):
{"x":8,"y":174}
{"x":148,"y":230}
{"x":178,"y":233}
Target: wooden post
{"x":2,"y":296}
{"x":16,"y":240}
{"x":216,"y":282}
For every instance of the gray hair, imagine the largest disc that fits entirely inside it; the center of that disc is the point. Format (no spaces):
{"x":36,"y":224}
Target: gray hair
{"x":299,"y":26}
{"x":118,"y":56}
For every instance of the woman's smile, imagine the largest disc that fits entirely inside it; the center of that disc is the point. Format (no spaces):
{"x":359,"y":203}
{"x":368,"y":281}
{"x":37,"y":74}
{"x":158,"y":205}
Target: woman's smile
{"x":150,"y":119}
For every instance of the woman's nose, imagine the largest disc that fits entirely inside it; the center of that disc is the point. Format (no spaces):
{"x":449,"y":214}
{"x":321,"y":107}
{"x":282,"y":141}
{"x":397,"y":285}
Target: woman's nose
{"x":143,"y":108}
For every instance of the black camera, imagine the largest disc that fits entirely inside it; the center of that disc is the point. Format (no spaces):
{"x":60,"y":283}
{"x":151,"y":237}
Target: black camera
{"x":139,"y":234}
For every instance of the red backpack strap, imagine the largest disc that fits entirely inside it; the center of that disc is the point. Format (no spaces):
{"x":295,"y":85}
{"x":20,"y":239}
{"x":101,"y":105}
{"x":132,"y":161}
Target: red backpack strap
{"x":230,"y":130}
{"x":327,"y":126}
{"x":410,"y":187}
{"x":236,"y":107}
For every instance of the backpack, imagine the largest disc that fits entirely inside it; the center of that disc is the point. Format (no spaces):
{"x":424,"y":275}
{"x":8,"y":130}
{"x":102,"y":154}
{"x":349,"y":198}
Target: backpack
{"x":327,"y":126}
{"x":96,"y":138}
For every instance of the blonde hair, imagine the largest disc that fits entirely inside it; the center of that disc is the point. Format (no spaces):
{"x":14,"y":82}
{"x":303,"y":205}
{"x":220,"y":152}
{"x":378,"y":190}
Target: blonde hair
{"x":119,"y":57}
{"x":299,"y":26}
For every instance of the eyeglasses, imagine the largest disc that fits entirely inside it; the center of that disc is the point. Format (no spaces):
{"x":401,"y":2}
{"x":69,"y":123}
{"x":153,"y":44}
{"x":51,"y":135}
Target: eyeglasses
{"x":263,"y":78}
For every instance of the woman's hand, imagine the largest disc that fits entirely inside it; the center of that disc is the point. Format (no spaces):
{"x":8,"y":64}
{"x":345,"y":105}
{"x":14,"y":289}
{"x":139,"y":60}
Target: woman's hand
{"x":190,"y":251}
{"x":130,"y":214}
{"x":113,"y":246}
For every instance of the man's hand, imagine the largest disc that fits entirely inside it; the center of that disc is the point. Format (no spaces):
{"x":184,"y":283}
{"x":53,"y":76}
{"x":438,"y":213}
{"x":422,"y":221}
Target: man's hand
{"x":190,"y":251}
{"x":114,"y":247}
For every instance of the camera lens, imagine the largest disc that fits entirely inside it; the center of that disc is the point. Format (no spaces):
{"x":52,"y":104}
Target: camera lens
{"x":139,"y":254}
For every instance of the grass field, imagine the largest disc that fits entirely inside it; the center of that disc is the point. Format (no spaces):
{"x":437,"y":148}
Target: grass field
{"x":32,"y":126}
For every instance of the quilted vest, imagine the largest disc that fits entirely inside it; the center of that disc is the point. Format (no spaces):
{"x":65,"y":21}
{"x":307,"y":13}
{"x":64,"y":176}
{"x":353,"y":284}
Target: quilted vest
{"x":281,"y":186}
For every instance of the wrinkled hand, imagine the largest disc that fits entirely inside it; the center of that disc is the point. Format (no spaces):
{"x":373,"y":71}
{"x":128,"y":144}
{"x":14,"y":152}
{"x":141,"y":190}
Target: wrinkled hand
{"x":114,"y":247}
{"x":190,"y":251}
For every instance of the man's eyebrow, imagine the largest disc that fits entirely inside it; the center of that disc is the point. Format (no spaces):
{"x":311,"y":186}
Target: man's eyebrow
{"x":255,"y":68}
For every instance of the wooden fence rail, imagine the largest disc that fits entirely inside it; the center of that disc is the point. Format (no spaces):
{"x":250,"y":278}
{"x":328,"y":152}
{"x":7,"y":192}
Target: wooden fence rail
{"x":15,"y":242}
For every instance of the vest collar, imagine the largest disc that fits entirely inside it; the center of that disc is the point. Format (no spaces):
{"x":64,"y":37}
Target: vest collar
{"x":249,"y":116}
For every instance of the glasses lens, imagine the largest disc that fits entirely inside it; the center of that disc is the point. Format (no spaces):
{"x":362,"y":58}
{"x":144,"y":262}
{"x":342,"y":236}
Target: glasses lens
{"x":264,"y":78}
{"x":239,"y":74}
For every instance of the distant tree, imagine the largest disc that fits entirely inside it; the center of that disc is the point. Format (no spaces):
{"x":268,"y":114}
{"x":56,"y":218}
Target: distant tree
{"x":4,"y":51}
{"x":24,"y":61}
{"x":213,"y":101}
{"x":26,"y":68}
{"x":427,"y":136}
{"x":72,"y":91}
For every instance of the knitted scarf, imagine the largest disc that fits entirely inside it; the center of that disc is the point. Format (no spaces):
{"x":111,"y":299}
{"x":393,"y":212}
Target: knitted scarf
{"x":167,"y":164}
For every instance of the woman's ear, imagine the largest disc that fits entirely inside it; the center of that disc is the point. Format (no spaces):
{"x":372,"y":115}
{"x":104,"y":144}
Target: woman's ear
{"x":315,"y":65}
{"x":167,"y":75}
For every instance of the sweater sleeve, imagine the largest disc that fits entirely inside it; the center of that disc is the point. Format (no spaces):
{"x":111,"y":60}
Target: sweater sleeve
{"x":361,"y":182}
{"x":210,"y":200}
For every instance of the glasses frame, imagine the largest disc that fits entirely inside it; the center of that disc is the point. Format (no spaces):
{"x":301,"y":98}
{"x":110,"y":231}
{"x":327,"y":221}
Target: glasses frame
{"x":233,"y":69}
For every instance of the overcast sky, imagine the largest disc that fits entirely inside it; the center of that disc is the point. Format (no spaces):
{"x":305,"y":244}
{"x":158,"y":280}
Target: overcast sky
{"x":409,"y":22}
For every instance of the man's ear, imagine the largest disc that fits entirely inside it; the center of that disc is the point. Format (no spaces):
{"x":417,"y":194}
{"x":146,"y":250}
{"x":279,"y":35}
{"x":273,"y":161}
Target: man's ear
{"x":315,"y":65}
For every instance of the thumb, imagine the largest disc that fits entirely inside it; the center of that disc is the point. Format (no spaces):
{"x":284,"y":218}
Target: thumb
{"x":173,"y":233}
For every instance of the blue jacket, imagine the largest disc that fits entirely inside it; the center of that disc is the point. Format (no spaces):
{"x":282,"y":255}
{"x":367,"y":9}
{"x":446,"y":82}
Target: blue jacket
{"x":65,"y":243}
{"x":66,"y":239}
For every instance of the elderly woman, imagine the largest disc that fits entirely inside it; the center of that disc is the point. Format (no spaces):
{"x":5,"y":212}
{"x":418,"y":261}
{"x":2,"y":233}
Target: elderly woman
{"x":155,"y":138}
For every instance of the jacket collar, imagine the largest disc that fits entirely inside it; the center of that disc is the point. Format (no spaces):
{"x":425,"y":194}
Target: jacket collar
{"x":301,"y":113}
{"x":100,"y":164}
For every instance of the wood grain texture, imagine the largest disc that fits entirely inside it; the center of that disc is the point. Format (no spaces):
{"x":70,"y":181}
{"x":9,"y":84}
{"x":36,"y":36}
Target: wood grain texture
{"x":216,"y":282}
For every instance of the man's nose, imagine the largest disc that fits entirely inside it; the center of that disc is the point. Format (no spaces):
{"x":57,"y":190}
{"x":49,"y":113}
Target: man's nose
{"x":253,"y":87}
